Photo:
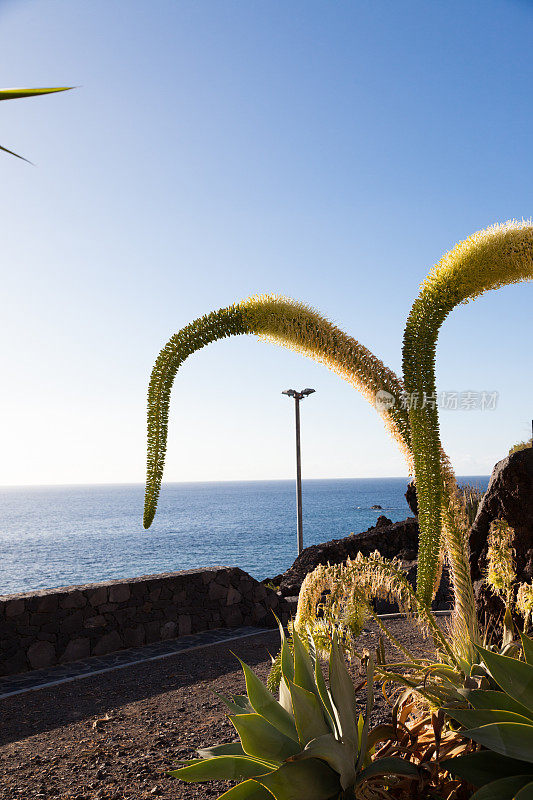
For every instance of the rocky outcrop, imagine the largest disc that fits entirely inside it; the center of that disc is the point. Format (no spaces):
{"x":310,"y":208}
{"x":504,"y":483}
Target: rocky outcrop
{"x":40,"y":629}
{"x":398,"y":539}
{"x":411,"y":497}
{"x":509,"y":497}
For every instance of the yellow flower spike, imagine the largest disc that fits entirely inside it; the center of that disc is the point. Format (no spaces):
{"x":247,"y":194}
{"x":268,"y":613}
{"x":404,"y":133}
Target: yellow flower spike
{"x":282,"y":321}
{"x":497,"y":256}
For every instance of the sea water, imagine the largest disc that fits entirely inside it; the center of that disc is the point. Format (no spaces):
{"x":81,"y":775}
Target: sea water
{"x":64,"y":535}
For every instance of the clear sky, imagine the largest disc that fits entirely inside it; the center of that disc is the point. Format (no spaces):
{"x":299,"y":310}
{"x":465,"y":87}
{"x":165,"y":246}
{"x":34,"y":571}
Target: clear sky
{"x":329,"y":150}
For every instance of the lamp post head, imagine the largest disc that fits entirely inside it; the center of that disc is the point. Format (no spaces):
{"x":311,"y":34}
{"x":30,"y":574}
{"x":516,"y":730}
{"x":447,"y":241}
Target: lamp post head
{"x":298,"y":395}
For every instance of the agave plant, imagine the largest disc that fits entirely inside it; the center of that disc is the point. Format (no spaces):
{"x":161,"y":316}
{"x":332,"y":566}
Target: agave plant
{"x":311,"y":744}
{"x":501,"y":720}
{"x":494,"y":257}
{"x":14,"y":94}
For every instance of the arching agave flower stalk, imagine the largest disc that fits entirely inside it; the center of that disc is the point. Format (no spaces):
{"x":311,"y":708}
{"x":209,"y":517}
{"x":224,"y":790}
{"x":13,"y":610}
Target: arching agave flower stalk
{"x":497,"y":256}
{"x":284,"y":322}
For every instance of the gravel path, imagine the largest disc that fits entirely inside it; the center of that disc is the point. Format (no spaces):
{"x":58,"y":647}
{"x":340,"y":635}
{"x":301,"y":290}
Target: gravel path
{"x":116,"y":735}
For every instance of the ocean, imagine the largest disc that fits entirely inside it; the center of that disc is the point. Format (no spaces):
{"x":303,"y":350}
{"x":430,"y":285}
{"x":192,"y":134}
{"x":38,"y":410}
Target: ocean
{"x":62,"y":535}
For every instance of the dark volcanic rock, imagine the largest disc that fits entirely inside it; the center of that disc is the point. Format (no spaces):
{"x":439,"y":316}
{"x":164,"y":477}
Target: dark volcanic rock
{"x":390,"y":539}
{"x":509,"y":497}
{"x":411,"y":497}
{"x":382,"y":520}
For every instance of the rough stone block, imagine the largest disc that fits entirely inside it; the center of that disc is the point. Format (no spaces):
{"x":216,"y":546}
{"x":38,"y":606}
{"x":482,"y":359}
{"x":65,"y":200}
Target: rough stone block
{"x":233,"y":597}
{"x":76,"y":649}
{"x":74,"y":599}
{"x":47,"y":637}
{"x":217,"y":591}
{"x":134,"y":637}
{"x":95,"y":622}
{"x":108,"y":643}
{"x":184,"y":624}
{"x":260,"y":592}
{"x":259,"y":612}
{"x":119,"y":593}
{"x":73,"y":623}
{"x":14,"y":664}
{"x":47,"y":604}
{"x":223,"y":578}
{"x":153,"y":632}
{"x":97,"y":597}
{"x":168,"y":631}
{"x":15,"y":607}
{"x":232,"y":616}
{"x":41,"y":655}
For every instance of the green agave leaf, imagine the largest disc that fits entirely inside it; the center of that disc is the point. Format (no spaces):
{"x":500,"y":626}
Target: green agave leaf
{"x":302,"y":780}
{"x":484,"y":766}
{"x":526,"y":793}
{"x":363,"y":739}
{"x":486,"y":716}
{"x":527,"y":647}
{"x":285,"y":700}
{"x":343,"y":694}
{"x":388,"y":766}
{"x":12,"y":153}
{"x":508,"y":738}
{"x":287,"y":659}
{"x":262,"y":740}
{"x":304,"y":673}
{"x":508,"y":627}
{"x":511,"y":649}
{"x":223,"y":768}
{"x":514,"y":677}
{"x":264,"y":703}
{"x":340,"y":757}
{"x":230,"y":749}
{"x":248,"y":790}
{"x":326,"y":699}
{"x":506,"y":789}
{"x":312,"y":649}
{"x":308,"y":714}
{"x":14,"y":94}
{"x":489,"y":698}
{"x":237,"y":703}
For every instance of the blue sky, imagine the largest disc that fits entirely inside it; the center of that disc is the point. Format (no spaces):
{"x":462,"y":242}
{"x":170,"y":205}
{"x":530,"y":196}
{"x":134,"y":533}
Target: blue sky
{"x":330,"y":151}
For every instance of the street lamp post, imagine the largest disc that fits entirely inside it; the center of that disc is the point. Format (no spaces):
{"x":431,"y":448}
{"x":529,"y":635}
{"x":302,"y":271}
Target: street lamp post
{"x":297,"y":397}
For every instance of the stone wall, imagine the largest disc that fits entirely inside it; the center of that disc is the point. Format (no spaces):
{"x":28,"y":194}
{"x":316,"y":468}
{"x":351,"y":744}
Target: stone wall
{"x":39,"y":629}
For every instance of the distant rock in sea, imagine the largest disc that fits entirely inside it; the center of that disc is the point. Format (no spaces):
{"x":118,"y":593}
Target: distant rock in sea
{"x":376,"y":508}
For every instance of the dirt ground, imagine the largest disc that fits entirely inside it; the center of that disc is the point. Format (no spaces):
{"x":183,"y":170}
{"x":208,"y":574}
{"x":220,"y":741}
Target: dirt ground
{"x":116,"y":735}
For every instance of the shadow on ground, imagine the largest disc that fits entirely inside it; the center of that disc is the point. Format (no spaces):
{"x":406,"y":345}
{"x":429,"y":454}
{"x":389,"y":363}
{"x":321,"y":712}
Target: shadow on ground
{"x":28,"y":714}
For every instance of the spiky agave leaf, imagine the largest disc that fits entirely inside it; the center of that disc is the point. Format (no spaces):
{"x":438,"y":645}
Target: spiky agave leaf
{"x":313,"y":749}
{"x":15,"y":94}
{"x":281,"y":321}
{"x":497,"y":256}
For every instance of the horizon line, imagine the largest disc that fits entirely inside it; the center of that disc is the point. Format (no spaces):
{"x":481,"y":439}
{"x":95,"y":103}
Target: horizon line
{"x":230,"y":480}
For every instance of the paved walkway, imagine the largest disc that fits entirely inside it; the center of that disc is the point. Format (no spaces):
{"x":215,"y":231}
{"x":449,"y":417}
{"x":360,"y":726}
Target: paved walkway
{"x":41,"y":678}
